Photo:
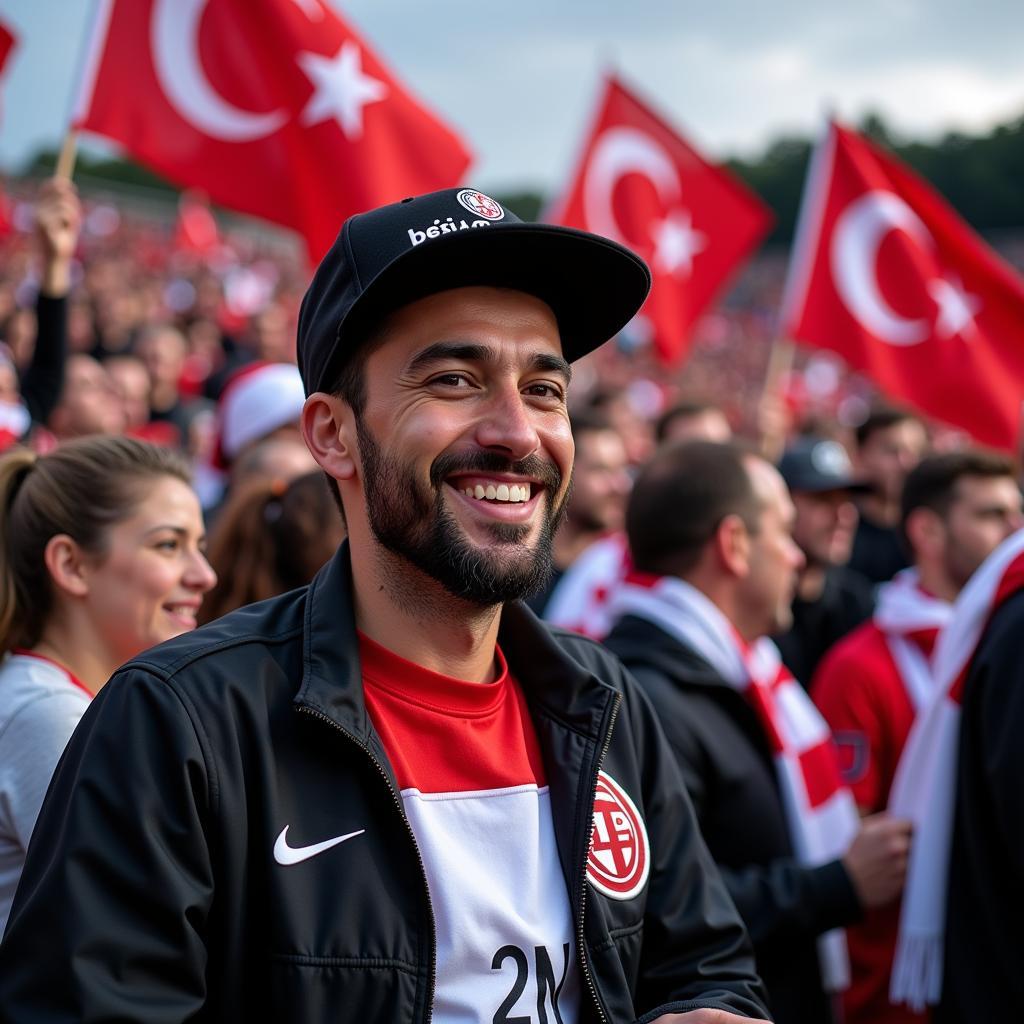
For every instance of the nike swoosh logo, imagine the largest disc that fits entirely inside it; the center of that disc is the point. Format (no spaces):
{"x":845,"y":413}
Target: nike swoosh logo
{"x":285,"y":854}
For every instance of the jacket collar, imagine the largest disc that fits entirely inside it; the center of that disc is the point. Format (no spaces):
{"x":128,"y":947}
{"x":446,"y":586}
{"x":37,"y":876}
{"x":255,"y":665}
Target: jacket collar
{"x":555,"y":684}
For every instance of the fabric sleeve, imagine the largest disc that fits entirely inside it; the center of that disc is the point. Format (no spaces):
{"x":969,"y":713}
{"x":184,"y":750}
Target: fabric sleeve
{"x":842,"y":691}
{"x":118,"y":881}
{"x":994,"y":706}
{"x":784,"y":900}
{"x":778,"y":900}
{"x":696,"y":952}
{"x":43,"y":380}
{"x":30,"y":747}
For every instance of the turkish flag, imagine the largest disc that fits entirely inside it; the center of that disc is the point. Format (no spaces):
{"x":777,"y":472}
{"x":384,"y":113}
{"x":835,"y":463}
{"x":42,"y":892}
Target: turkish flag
{"x":885,"y":273}
{"x":196,"y":231}
{"x":640,"y":183}
{"x":277,"y":108}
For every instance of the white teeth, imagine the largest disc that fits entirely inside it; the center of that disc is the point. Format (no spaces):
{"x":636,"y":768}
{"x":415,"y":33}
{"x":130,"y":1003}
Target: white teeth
{"x":499,"y":492}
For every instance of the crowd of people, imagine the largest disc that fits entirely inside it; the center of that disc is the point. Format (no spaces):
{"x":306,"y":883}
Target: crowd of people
{"x":767,"y":598}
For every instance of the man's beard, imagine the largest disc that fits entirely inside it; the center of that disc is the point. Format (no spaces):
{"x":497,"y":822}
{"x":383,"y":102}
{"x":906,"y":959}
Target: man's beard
{"x":410,"y":521}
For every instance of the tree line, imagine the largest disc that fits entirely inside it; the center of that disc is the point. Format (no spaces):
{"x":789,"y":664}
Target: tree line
{"x":981,"y":175}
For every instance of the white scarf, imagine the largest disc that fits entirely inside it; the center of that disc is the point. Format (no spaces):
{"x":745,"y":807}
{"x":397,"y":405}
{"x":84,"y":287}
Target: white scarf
{"x":820,"y":812}
{"x":580,"y":600}
{"x":904,"y":608}
{"x":924,"y":788}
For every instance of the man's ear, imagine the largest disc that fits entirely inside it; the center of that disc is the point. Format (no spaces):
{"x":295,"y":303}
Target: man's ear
{"x":926,"y":531}
{"x":329,"y":429}
{"x":731,"y":544}
{"x":66,"y":563}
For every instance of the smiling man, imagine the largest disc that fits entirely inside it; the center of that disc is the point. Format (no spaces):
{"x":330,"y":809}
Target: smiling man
{"x":395,"y":795}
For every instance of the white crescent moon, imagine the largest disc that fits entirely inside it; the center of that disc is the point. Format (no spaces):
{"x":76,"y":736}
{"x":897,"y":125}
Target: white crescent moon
{"x":618,"y":151}
{"x":854,"y":256}
{"x":174,"y":38}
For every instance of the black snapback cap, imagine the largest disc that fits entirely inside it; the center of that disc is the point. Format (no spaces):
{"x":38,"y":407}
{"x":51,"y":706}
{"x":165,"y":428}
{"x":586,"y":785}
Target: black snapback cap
{"x":815,"y":465}
{"x":388,"y":257}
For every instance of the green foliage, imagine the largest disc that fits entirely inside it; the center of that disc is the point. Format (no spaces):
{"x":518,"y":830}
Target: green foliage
{"x":115,"y":171}
{"x":982,"y":176}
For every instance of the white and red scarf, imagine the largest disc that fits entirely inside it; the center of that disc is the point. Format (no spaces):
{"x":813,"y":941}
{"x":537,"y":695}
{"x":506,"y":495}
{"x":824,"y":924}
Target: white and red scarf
{"x":820,"y":811}
{"x":905,"y":614}
{"x":581,"y":599}
{"x":924,"y":787}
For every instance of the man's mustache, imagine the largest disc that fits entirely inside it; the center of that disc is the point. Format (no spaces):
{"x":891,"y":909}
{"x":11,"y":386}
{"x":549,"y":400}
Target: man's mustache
{"x":533,"y":466}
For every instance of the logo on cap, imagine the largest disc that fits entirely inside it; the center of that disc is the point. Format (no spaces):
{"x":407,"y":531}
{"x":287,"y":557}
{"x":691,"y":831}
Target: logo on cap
{"x":479,"y":204}
{"x":830,"y":458}
{"x":618,"y":861}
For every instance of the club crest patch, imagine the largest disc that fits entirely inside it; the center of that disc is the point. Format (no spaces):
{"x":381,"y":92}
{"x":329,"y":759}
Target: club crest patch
{"x":480,"y":205}
{"x":619,"y":858}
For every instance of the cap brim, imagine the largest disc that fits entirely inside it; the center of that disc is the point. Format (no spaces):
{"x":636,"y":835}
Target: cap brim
{"x":594,"y":285}
{"x":819,"y":485}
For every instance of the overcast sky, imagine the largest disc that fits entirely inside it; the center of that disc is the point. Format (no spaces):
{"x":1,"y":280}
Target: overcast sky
{"x":519,"y":80}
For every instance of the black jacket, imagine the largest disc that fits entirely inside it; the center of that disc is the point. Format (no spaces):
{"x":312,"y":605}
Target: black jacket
{"x":150,"y":892}
{"x":982,"y":979}
{"x":846,"y":600}
{"x":730,"y":775}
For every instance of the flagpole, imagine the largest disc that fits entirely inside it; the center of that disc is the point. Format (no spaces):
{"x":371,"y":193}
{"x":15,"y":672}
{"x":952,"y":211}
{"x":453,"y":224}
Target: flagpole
{"x":66,"y":159}
{"x":84,"y":80}
{"x":781,"y":356}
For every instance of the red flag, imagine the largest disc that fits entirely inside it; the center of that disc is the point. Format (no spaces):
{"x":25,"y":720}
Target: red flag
{"x":8,"y":41}
{"x":888,"y":275}
{"x":273,"y":107}
{"x":196,"y":231}
{"x":8,"y":44}
{"x":641,"y":184}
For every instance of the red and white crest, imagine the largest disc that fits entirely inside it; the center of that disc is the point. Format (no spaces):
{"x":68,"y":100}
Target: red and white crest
{"x":619,"y":858}
{"x":480,"y":205}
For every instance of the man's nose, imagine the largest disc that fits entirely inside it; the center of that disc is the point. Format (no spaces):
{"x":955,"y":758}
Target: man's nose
{"x":508,"y":424}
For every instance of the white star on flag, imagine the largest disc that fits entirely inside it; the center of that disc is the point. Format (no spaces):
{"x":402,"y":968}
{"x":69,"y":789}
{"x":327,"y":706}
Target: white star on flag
{"x":957,"y":308}
{"x":341,"y":89}
{"x":676,"y":242}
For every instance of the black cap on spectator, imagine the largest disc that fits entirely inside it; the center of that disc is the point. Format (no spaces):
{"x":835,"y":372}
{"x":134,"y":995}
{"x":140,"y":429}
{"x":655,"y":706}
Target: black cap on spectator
{"x":394,"y":255}
{"x":815,"y":465}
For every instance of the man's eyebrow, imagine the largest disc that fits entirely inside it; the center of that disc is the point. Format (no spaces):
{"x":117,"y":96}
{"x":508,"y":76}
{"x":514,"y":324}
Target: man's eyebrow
{"x":469,"y":352}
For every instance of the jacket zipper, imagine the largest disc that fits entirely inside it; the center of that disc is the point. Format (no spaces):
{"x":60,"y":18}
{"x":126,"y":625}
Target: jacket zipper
{"x":580,"y":941}
{"x":412,"y":835}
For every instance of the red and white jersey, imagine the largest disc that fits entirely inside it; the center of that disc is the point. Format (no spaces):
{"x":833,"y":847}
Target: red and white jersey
{"x":472,"y":781}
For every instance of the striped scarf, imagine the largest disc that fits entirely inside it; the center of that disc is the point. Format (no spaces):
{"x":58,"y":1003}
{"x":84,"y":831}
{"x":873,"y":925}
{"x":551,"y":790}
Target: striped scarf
{"x":924,"y":788}
{"x":905,"y":615}
{"x":820,"y":812}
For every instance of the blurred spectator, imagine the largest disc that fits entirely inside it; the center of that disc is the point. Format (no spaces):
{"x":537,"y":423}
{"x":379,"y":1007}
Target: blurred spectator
{"x":101,"y":558}
{"x":956,"y":509}
{"x":890,"y":442}
{"x":960,"y":779}
{"x":692,"y":420}
{"x":601,"y":482}
{"x":90,"y":402}
{"x":276,"y":458}
{"x":830,"y":598}
{"x":131,"y":379}
{"x":706,"y":589}
{"x":262,"y":401}
{"x":162,"y":350}
{"x":271,"y":537}
{"x":58,"y":219}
